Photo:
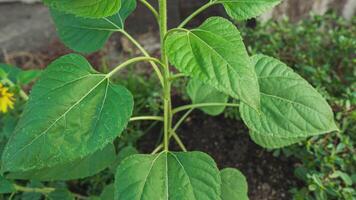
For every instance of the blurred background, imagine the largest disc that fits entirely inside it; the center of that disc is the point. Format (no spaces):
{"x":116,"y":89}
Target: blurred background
{"x":317,"y":38}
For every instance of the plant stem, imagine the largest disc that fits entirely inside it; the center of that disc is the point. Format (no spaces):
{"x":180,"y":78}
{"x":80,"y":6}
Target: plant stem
{"x":197,"y":12}
{"x":166,"y":74}
{"x":131,"y":61}
{"x":151,"y":8}
{"x":45,"y":190}
{"x":157,"y":149}
{"x":145,"y":53}
{"x":142,"y":118}
{"x":22,"y":93}
{"x":177,"y":76}
{"x":200,"y":105}
{"x":182,"y":119}
{"x":179,"y":141}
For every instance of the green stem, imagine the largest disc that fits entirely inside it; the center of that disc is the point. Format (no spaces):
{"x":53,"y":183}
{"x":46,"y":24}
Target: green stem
{"x":177,"y":76}
{"x":197,"y":12}
{"x":166,"y":74}
{"x":145,"y":53}
{"x":131,"y":61}
{"x":157,"y":149}
{"x":151,"y":8}
{"x":44,"y":190}
{"x":149,"y":118}
{"x":182,"y":119}
{"x":22,"y":93}
{"x":201,"y":105}
{"x":179,"y":141}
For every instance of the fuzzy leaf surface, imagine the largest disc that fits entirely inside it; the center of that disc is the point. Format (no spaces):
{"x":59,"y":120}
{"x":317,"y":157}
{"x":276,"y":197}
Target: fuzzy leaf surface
{"x":86,"y":8}
{"x":215,"y":54}
{"x":73,"y":111}
{"x":291,"y":108}
{"x":80,"y":168}
{"x":168,"y":175}
{"x":89,"y":35}
{"x":247,"y":9}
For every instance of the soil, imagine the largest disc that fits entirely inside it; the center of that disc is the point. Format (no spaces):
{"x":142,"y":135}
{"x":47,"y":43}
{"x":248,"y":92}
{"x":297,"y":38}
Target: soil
{"x":227,"y":141}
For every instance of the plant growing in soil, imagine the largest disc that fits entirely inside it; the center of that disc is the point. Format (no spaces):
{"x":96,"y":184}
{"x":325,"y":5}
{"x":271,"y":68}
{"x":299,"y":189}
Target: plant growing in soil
{"x":74,"y":113}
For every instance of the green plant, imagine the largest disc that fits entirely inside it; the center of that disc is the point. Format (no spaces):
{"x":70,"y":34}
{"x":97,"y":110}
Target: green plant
{"x":74,"y":113}
{"x":325,"y":47}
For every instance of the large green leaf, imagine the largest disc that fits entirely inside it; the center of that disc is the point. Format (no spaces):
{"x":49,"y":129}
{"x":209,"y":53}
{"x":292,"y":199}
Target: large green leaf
{"x":273,"y":142}
{"x":80,"y":168}
{"x":246,"y":9}
{"x":86,"y":8}
{"x":203,"y":93}
{"x":215,"y":54}
{"x":233,"y":185}
{"x":88,"y":35}
{"x":73,"y":111}
{"x":168,"y":175}
{"x":291,"y":109}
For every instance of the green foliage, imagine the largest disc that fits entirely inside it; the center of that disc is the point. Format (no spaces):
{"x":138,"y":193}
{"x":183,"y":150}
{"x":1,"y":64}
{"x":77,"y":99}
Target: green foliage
{"x":247,"y":9}
{"x":6,"y":186}
{"x":233,"y":185}
{"x":168,"y":175}
{"x":290,"y":108}
{"x":215,"y":54}
{"x":202,"y":93}
{"x":67,"y":117}
{"x":86,"y":8}
{"x":325,"y":47}
{"x":79,"y":168}
{"x":75,"y":115}
{"x":88,"y":35}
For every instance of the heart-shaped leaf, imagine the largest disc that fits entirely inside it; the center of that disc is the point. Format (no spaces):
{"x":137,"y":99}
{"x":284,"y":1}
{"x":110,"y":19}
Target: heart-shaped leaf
{"x":80,"y":168}
{"x":86,"y":8}
{"x":246,"y":9}
{"x":88,"y":35}
{"x":233,"y":185}
{"x":291,"y":109}
{"x":168,"y":175}
{"x":73,"y":111}
{"x":203,"y":93}
{"x":215,"y":54}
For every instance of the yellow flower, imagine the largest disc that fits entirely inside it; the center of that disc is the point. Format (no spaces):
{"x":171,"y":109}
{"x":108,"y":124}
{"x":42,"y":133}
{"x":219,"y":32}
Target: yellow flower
{"x":6,"y":99}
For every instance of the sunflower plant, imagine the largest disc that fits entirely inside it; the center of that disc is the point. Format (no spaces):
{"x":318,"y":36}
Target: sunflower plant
{"x":74,"y":112}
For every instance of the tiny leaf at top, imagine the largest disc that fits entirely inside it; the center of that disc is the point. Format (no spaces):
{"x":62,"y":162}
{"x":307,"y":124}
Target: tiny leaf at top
{"x":89,"y":35}
{"x":247,"y":9}
{"x":215,"y":54}
{"x":168,"y":175}
{"x":73,"y":111}
{"x":86,"y":8}
{"x":291,"y":109}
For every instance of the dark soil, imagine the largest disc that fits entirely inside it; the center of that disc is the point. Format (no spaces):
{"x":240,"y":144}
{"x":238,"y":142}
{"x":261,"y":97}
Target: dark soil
{"x":227,"y":141}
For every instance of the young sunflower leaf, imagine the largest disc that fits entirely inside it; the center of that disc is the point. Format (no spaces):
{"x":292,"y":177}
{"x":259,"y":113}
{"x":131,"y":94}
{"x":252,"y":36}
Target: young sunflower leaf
{"x":61,"y":194}
{"x":203,"y":93}
{"x":86,"y":8}
{"x":215,"y":54}
{"x":168,"y":175}
{"x":89,"y":35}
{"x":247,"y":9}
{"x":291,"y":109}
{"x":73,"y":111}
{"x":233,"y":185}
{"x":77,"y":169}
